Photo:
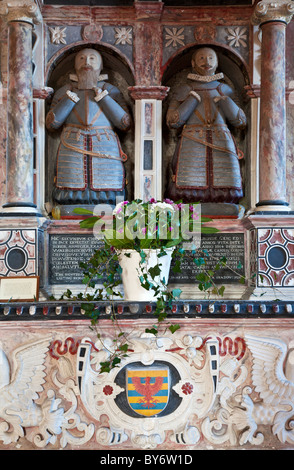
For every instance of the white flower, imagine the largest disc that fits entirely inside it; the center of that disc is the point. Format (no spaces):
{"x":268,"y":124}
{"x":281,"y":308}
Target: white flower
{"x":123,"y":36}
{"x":162,"y":206}
{"x":174,"y":37}
{"x":58,"y":35}
{"x":237,"y":37}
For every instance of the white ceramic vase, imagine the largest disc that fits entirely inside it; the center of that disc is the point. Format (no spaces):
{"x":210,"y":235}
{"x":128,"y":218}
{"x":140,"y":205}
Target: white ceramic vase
{"x":131,"y":272}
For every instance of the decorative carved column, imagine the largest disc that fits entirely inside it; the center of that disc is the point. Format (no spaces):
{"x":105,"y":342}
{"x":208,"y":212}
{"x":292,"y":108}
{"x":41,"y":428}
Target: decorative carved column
{"x":148,"y":140}
{"x":148,"y":95}
{"x":21,"y":17}
{"x":272,"y":18}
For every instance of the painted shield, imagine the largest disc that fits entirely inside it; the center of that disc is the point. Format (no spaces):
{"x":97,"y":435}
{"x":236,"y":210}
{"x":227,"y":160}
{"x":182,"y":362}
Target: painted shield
{"x":148,"y":389}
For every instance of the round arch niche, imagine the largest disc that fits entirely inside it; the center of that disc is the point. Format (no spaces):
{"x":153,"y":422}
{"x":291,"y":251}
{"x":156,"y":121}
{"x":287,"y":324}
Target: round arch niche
{"x":120,"y":74}
{"x":236,"y":75}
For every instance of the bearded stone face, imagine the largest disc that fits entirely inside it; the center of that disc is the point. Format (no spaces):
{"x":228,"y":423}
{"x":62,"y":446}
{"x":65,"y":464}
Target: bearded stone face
{"x":88,"y":66}
{"x":204,"y":61}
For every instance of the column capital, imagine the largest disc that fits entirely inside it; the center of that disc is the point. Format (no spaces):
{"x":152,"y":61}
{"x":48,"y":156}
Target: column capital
{"x":267,"y":10}
{"x":17,"y":10}
{"x":148,"y":92}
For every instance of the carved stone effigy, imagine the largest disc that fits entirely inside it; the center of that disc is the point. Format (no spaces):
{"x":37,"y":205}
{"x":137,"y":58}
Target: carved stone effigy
{"x":89,"y":162}
{"x":183,"y":390}
{"x":205,"y":166}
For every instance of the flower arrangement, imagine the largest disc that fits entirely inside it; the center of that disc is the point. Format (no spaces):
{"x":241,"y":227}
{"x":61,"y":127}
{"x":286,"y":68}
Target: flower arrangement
{"x":147,"y":225}
{"x":142,"y":226}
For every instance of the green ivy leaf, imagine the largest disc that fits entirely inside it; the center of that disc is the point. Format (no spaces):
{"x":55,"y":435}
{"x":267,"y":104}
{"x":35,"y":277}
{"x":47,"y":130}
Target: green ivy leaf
{"x":177,"y":267}
{"x":154,"y":271}
{"x":153,"y":331}
{"x":82,"y":211}
{"x":124,"y":347}
{"x":116,"y":361}
{"x":221,"y":290}
{"x":174,"y":328}
{"x":176,"y":292}
{"x":89,"y":222}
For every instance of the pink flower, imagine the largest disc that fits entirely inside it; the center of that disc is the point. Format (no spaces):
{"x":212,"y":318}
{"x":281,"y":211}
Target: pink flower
{"x":153,"y":201}
{"x":168,"y":201}
{"x":144,"y":230}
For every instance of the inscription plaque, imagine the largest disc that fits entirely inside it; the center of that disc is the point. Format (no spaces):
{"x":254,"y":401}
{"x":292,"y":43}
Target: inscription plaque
{"x":67,"y":251}
{"x":218,"y":245}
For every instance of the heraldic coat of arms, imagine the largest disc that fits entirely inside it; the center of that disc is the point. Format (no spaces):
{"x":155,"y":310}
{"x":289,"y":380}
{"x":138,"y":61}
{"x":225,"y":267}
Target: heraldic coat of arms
{"x":148,"y":390}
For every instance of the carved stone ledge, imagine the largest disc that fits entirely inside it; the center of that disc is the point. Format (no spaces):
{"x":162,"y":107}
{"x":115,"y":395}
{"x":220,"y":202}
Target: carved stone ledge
{"x":17,"y":10}
{"x":267,"y":10}
{"x":64,"y":310}
{"x":42,"y":93}
{"x":252,"y":91}
{"x":149,"y":93}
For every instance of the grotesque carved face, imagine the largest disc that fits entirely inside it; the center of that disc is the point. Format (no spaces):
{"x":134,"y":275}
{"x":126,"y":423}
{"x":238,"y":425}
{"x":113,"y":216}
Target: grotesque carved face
{"x":205,"y":61}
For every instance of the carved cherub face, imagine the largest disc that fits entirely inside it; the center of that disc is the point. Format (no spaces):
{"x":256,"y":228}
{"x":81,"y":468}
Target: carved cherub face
{"x":205,"y":61}
{"x":88,"y":59}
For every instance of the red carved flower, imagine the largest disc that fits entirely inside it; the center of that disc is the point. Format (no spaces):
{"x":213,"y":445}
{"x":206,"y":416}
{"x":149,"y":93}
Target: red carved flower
{"x":107,"y":390}
{"x":187,"y":388}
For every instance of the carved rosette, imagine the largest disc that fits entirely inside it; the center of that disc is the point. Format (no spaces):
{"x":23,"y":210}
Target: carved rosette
{"x":266,"y":10}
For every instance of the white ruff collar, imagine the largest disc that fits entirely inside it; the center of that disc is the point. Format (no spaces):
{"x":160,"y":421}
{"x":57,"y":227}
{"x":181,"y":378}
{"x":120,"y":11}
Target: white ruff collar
{"x":205,"y":78}
{"x":101,"y":78}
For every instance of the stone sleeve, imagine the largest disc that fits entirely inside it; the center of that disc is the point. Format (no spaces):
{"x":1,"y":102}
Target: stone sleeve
{"x":115,"y":108}
{"x":232,"y":112}
{"x":61,"y":107}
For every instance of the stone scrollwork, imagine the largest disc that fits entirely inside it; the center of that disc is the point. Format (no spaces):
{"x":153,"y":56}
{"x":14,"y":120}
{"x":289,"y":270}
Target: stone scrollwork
{"x":267,"y":10}
{"x":180,"y":390}
{"x":17,"y":10}
{"x":20,"y":388}
{"x":238,"y":418}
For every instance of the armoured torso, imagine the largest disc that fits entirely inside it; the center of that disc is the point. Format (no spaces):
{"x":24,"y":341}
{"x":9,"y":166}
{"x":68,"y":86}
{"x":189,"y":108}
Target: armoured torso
{"x":207,"y":157}
{"x":89,"y":156}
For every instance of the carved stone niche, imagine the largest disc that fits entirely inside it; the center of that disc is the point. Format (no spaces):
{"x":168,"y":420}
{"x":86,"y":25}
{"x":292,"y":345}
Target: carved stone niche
{"x":120,"y":74}
{"x":236,"y":75}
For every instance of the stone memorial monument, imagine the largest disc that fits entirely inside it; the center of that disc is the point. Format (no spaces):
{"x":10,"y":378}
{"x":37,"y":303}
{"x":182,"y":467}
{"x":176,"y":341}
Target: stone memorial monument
{"x":218,"y":372}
